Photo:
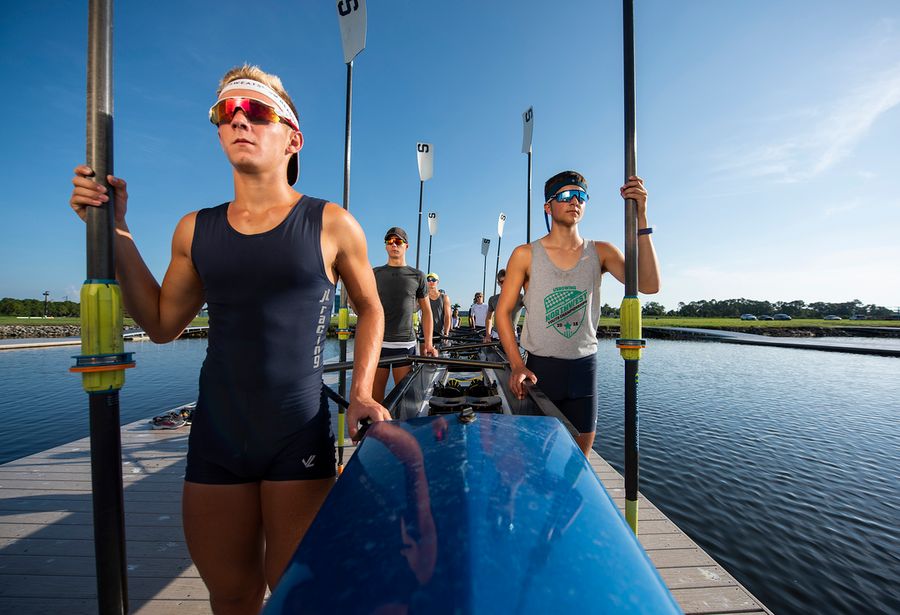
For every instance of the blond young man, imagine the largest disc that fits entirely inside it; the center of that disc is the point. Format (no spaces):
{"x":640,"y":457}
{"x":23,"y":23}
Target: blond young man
{"x":440,"y":305}
{"x":261,"y":453}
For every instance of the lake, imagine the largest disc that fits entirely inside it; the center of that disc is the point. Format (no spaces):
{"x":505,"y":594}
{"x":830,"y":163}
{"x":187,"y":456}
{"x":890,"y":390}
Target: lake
{"x":783,"y":464}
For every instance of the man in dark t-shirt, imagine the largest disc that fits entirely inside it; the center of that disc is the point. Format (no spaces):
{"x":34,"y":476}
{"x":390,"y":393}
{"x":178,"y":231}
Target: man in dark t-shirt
{"x":400,"y":288}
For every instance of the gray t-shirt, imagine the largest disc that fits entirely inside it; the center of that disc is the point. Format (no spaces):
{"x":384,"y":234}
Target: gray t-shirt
{"x":562,"y":307}
{"x":399,"y":289}
{"x":514,"y":315}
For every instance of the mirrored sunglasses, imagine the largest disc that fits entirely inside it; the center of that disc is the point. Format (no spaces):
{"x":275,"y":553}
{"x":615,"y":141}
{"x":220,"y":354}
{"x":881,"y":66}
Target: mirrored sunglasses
{"x":567,"y":195}
{"x":394,"y":241}
{"x":256,"y":111}
{"x":431,"y":279}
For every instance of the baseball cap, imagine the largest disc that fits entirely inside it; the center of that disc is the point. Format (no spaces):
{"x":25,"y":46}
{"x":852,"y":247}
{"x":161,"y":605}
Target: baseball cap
{"x":434,"y":275}
{"x":399,"y":232}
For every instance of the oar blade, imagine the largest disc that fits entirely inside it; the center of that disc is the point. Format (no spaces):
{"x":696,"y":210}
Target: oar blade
{"x":425,"y":158}
{"x":352,"y":18}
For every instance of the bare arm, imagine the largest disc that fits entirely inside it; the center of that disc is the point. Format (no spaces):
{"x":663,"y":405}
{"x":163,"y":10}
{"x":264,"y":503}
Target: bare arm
{"x":427,"y":327}
{"x":517,"y":272}
{"x":488,"y":322}
{"x":613,"y":260}
{"x":447,"y":310}
{"x":351,"y":265}
{"x":162,"y":311}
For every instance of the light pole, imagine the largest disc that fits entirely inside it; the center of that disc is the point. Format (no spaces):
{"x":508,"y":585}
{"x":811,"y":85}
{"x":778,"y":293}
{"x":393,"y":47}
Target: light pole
{"x":46,"y":299}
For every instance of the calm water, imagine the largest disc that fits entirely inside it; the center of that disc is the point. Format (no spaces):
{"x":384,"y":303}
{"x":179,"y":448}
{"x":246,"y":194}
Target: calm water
{"x":783,"y":464}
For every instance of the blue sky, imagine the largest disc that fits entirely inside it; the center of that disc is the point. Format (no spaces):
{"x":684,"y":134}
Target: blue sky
{"x":768,"y":132}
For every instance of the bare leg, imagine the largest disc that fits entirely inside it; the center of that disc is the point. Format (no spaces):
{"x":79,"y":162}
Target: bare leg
{"x":585,"y":441}
{"x":400,"y":373}
{"x":288,"y":509}
{"x":380,"y":382}
{"x":223,"y":529}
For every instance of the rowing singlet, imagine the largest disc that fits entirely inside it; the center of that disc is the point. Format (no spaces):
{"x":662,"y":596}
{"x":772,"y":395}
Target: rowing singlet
{"x":270,"y":305}
{"x":437,"y":314}
{"x":562,"y":307}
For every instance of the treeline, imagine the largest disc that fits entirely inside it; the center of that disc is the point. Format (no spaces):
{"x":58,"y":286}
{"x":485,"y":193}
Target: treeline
{"x":733,"y":308}
{"x":726,"y":308}
{"x":36,"y":307}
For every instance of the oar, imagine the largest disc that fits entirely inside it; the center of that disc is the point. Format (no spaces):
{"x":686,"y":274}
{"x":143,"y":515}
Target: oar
{"x":102,"y":361}
{"x":527,"y":131}
{"x":469,"y":346}
{"x":425,"y":159}
{"x":450,"y":362}
{"x":630,"y":344}
{"x":485,"y":248}
{"x":432,"y":231}
{"x":501,"y":221}
{"x":352,"y":20}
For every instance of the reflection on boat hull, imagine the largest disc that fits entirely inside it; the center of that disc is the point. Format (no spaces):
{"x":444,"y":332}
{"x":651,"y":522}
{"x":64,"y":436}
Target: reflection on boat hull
{"x":500,"y":514}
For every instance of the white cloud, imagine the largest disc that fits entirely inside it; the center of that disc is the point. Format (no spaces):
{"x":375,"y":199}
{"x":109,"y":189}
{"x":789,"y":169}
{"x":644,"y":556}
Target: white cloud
{"x":842,"y":208}
{"x":823,"y":134}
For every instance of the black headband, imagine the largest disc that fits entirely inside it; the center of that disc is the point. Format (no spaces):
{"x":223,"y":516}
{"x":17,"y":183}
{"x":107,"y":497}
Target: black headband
{"x":566,"y":178}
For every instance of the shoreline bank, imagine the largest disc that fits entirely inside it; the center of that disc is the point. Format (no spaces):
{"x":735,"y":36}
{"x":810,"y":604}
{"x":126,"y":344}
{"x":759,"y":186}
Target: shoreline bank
{"x":654,"y":329}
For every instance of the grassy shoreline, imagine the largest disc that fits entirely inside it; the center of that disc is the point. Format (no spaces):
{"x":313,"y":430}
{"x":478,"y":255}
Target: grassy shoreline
{"x":648,"y":321}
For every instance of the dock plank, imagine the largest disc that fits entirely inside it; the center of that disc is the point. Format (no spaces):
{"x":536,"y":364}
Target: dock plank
{"x":46,"y":535}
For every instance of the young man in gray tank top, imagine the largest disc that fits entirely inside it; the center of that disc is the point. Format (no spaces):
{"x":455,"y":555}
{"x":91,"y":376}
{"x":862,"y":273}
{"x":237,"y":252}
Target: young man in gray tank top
{"x":561,"y":274}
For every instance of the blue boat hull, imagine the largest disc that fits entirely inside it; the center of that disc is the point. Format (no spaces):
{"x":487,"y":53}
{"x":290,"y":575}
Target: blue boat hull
{"x":501,"y":515}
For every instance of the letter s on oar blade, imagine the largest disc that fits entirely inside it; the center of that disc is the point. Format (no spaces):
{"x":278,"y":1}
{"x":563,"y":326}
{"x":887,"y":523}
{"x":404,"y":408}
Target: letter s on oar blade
{"x":352,"y":18}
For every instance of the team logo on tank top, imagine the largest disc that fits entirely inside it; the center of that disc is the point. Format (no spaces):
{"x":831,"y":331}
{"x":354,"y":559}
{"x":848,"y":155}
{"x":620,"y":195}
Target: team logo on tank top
{"x":565,"y":307}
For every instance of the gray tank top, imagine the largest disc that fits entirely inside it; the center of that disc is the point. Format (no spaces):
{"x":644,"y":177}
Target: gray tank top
{"x":562,"y":307}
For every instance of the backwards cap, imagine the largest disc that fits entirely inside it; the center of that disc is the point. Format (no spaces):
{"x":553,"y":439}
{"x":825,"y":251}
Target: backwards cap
{"x":284,"y":109}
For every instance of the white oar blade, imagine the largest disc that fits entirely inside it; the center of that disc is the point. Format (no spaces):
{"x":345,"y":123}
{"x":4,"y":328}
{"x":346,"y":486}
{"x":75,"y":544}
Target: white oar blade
{"x":527,"y":129}
{"x":432,"y":223}
{"x":425,"y":157}
{"x":485,"y":246}
{"x":500,"y":223}
{"x":352,"y":17}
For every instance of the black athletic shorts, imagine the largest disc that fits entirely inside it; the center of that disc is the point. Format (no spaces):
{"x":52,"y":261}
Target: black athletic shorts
{"x":388,"y":353}
{"x":260,"y":449}
{"x":571,"y":384}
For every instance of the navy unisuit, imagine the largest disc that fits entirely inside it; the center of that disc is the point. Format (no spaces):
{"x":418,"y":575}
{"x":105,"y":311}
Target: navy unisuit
{"x":261,"y":413}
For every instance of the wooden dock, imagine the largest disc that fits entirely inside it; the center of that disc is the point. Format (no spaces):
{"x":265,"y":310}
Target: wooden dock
{"x":47,"y":550}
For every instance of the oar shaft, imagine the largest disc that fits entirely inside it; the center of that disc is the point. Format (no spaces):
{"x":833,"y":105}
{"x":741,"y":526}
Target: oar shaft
{"x":99,"y":321}
{"x":419,"y":232}
{"x":630,"y":343}
{"x":497,"y":267}
{"x":343,"y":312}
{"x":528,"y":217}
{"x":100,"y":220}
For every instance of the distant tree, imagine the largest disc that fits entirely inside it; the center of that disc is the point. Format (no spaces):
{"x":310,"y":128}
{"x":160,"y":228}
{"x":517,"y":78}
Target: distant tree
{"x":652,"y":308}
{"x":35,"y":307}
{"x":607,"y":311}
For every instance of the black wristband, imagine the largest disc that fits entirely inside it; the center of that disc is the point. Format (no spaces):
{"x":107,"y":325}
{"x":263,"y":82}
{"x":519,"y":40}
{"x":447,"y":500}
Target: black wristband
{"x":645,"y":231}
